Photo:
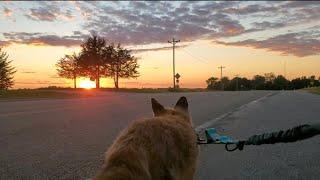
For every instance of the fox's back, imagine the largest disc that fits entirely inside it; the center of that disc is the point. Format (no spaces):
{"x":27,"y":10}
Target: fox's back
{"x":162,"y":147}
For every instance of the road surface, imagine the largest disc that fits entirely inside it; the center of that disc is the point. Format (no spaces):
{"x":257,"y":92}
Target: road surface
{"x":67,"y":138}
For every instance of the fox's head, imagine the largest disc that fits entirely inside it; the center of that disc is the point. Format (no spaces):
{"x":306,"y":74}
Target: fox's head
{"x":180,"y":109}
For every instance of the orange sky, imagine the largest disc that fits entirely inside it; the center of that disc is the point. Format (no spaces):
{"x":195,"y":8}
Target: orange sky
{"x":196,"y":63}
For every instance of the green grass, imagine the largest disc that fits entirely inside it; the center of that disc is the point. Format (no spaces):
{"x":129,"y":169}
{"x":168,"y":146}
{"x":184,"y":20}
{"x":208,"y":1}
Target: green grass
{"x":315,"y":90}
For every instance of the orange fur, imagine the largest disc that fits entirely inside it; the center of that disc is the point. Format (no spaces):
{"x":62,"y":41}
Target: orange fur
{"x":163,"y":147}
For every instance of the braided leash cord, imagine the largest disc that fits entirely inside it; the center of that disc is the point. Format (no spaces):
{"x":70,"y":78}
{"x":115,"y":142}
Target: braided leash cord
{"x":294,"y":134}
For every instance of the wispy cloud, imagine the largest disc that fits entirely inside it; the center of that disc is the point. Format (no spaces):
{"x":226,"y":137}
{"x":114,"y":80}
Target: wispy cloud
{"x":156,"y":49}
{"x":49,"y":12}
{"x":297,"y":44}
{"x":145,"y":23}
{"x":44,"y":39}
{"x":7,"y":12}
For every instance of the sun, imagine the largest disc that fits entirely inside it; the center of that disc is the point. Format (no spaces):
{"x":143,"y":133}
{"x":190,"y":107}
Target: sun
{"x":87,"y":84}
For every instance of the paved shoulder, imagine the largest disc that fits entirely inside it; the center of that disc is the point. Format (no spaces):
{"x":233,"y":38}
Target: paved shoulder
{"x":300,"y":160}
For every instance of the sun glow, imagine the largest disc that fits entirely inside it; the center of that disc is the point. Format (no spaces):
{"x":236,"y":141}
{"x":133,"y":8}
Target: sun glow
{"x":87,"y":84}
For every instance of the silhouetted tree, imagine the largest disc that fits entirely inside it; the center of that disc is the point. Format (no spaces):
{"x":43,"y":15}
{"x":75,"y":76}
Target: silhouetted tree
{"x":6,"y":71}
{"x":267,"y":82}
{"x":224,"y":82}
{"x":280,"y":82}
{"x":68,"y":67}
{"x":212,"y":82}
{"x":93,"y":58}
{"x":122,"y":64}
{"x":258,"y":82}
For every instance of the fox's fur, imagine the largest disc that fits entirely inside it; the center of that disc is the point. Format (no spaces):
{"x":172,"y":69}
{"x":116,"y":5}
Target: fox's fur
{"x":162,"y":147}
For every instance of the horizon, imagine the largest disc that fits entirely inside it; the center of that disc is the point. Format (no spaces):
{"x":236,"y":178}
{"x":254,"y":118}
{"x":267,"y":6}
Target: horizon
{"x":248,"y":38}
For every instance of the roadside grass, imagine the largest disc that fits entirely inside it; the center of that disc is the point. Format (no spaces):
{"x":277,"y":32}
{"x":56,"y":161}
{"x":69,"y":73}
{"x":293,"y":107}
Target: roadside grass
{"x":133,"y":90}
{"x":314,"y":90}
{"x":24,"y":94}
{"x":153,"y":90}
{"x":61,"y":93}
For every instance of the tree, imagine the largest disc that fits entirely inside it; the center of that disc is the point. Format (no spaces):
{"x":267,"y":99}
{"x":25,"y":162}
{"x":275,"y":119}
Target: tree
{"x":280,"y":82}
{"x":212,"y":82}
{"x":6,"y":71}
{"x":68,"y":67}
{"x":224,"y":82}
{"x":122,"y":65}
{"x":258,"y":82}
{"x":94,"y":58}
{"x":269,"y":80}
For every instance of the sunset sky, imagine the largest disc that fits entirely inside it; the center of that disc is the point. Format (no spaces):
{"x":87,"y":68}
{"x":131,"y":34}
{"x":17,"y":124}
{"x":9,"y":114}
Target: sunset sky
{"x":247,"y":38}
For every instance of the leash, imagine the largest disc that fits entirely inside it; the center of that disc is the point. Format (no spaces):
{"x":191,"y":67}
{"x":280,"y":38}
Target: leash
{"x":298,"y":133}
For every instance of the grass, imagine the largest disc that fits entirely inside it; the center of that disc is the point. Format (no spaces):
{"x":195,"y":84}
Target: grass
{"x":24,"y":94}
{"x":153,"y":90}
{"x":314,"y":90}
{"x":61,"y":93}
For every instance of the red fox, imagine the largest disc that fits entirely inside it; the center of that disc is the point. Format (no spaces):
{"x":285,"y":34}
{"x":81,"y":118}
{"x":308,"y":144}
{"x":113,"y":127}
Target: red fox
{"x":163,"y":147}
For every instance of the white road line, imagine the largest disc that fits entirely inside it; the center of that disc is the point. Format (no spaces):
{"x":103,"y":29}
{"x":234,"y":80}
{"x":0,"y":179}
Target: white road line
{"x":212,"y":121}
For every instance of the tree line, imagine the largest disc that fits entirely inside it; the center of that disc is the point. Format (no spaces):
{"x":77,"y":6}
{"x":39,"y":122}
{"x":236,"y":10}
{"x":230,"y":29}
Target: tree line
{"x":268,"y":81}
{"x":98,"y":59}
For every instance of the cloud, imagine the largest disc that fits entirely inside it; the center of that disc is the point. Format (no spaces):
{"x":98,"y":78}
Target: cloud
{"x":155,"y":22}
{"x":4,"y":43}
{"x":298,"y":44}
{"x":7,"y":12}
{"x":250,"y":9}
{"x":156,"y":49}
{"x":49,"y":12}
{"x":44,"y":39}
{"x":40,"y":82}
{"x":269,"y":25}
{"x":28,"y":72}
{"x":85,"y":10}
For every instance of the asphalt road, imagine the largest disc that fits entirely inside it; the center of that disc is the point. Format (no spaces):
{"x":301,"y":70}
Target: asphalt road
{"x":66,"y":139}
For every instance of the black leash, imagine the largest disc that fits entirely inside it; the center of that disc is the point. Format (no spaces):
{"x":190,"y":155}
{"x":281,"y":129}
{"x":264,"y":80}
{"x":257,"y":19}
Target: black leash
{"x":294,"y":134}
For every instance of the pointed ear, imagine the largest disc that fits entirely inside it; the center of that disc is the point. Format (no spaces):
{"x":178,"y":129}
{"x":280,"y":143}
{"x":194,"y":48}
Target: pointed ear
{"x":182,"y":104}
{"x":157,"y":107}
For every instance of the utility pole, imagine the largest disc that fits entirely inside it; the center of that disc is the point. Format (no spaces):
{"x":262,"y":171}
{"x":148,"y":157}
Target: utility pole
{"x":222,"y":85}
{"x":221,"y":67}
{"x":173,"y":42}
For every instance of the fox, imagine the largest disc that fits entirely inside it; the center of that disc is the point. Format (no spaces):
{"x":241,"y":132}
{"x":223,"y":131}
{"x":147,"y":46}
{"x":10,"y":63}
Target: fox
{"x":163,"y":147}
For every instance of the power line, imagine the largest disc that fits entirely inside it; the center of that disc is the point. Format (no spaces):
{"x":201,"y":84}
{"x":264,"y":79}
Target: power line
{"x":194,"y":56}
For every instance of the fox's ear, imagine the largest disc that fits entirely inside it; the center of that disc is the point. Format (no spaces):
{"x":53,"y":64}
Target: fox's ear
{"x":182,"y":104}
{"x":157,"y":107}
